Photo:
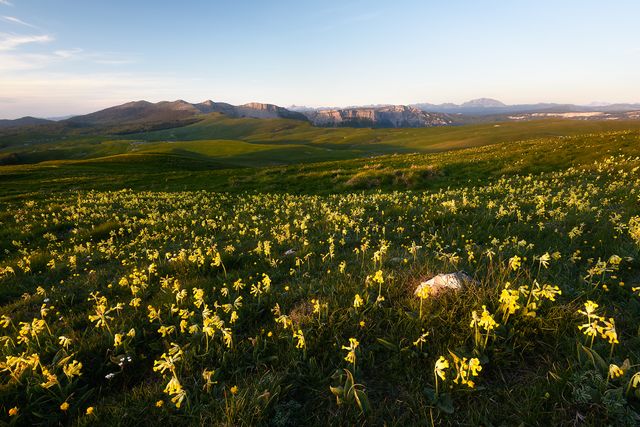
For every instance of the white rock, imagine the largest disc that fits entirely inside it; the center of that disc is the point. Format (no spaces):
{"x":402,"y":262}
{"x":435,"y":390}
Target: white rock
{"x":454,"y":281}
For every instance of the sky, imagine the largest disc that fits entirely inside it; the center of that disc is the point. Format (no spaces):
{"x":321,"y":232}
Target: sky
{"x":63,"y":57}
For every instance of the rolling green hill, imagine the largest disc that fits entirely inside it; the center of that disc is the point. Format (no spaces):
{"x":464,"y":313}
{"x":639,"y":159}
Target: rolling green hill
{"x":282,"y":155}
{"x":245,"y":142}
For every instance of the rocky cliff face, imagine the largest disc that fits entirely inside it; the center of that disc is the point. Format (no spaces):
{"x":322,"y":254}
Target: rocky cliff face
{"x":394,"y":116}
{"x":267,"y":111}
{"x":254,"y":110}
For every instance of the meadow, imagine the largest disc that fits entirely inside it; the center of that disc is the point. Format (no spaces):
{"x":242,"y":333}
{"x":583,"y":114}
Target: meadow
{"x":173,"y":284}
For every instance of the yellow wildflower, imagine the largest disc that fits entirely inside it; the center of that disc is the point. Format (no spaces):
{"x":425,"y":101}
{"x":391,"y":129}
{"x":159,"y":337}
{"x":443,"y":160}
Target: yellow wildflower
{"x":300,"y":337}
{"x":357,"y":301}
{"x":351,"y":354}
{"x":64,"y":341}
{"x":441,"y":366}
{"x":515,"y":262}
{"x":615,"y":371}
{"x":72,"y":369}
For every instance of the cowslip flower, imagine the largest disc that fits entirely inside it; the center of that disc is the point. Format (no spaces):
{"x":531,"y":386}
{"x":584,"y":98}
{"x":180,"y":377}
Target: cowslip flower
{"x":515,"y":262}
{"x":316,"y":305}
{"x":509,"y":302}
{"x":544,"y":260}
{"x":64,"y":341}
{"x":351,"y":350}
{"x":422,"y":292}
{"x":300,"y":337}
{"x":592,"y":327}
{"x":484,"y":321}
{"x":207,"y":374}
{"x":465,"y":369}
{"x":421,"y":339}
{"x":634,"y":381}
{"x":608,"y":331}
{"x":51,"y":378}
{"x":72,"y":369}
{"x":174,"y":388}
{"x":5,"y":321}
{"x":615,"y":371}
{"x":357,"y":301}
{"x":475,"y":366}
{"x":589,"y":308}
{"x":440,"y":368}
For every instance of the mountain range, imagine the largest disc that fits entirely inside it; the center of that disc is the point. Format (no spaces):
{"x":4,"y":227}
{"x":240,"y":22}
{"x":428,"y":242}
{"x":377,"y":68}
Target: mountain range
{"x":488,"y":106}
{"x":139,"y":116}
{"x":143,"y":115}
{"x":162,"y":112}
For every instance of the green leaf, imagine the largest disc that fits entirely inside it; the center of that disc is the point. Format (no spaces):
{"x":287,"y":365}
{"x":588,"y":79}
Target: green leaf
{"x":430,"y":394}
{"x":388,"y":344}
{"x":598,"y":362}
{"x":349,"y":381}
{"x":363,"y":401}
{"x":445,"y":403}
{"x":337,"y":391}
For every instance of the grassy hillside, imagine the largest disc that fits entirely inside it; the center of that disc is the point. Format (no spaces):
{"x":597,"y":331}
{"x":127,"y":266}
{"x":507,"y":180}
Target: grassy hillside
{"x":132,"y":293}
{"x":185,"y":165}
{"x":221,"y":142}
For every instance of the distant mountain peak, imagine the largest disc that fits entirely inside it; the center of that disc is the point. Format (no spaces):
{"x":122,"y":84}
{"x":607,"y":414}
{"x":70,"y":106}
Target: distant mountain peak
{"x":483,"y":103}
{"x":23,"y":121}
{"x":141,"y":103}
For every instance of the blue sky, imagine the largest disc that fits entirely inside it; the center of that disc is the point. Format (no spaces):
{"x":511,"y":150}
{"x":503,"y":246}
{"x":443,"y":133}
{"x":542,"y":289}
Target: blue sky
{"x":61,"y":57}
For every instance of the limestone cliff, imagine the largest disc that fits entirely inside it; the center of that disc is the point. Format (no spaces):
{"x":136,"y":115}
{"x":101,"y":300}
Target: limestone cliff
{"x":394,"y":116}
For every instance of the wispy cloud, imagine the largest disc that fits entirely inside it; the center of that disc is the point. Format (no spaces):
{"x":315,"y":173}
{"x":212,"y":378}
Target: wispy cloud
{"x":13,"y":41}
{"x":108,"y":58}
{"x":18,"y":21}
{"x":68,"y":53}
{"x":114,"y":61}
{"x":6,"y":2}
{"x":13,"y":60}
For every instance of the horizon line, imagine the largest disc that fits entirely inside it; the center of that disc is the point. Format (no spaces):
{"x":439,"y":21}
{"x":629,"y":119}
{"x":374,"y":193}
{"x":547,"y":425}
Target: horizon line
{"x":593,"y":104}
